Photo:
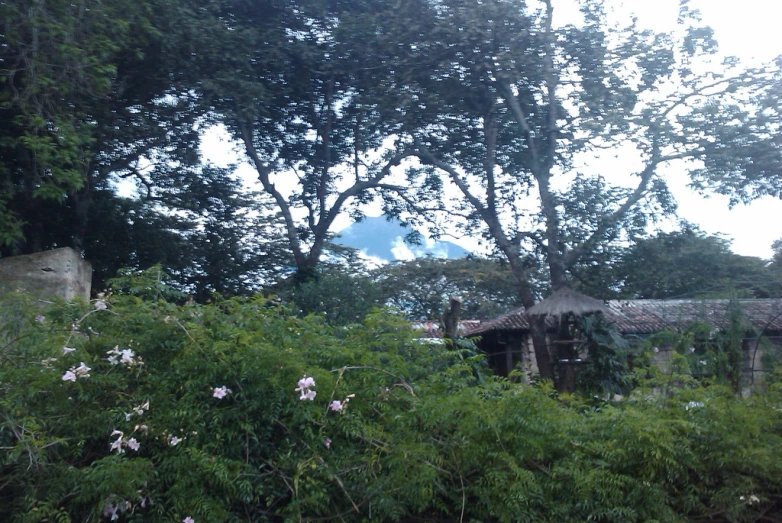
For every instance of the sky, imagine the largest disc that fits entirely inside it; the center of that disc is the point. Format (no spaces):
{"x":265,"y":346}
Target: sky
{"x":749,"y":29}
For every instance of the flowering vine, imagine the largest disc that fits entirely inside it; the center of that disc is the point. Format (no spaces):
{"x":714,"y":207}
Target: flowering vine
{"x":305,"y":386}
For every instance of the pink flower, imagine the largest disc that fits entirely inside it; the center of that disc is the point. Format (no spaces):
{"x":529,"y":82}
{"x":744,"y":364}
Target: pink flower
{"x":336,"y":406}
{"x":327,"y":442}
{"x":220,"y":392}
{"x":69,"y":376}
{"x":100,"y":305}
{"x":68,"y":350}
{"x":174,"y":441}
{"x":304,"y":386}
{"x":306,"y":383}
{"x":133,"y":444}
{"x":40,"y":318}
{"x":188,"y":519}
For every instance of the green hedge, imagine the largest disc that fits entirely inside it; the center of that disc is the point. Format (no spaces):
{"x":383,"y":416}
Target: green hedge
{"x":202,"y":420}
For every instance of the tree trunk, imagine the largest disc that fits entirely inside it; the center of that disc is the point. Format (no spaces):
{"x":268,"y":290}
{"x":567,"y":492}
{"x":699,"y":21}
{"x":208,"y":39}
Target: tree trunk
{"x":451,"y":318}
{"x":540,"y":345}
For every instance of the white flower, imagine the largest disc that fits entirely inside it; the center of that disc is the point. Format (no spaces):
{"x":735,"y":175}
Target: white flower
{"x":309,"y":395}
{"x":68,"y":350}
{"x":69,"y":376}
{"x":82,"y":371}
{"x":174,"y":441}
{"x":220,"y":392}
{"x":128,"y":415}
{"x":127,"y":357}
{"x":703,"y":362}
{"x":655,"y":349}
{"x":124,"y":356}
{"x":188,"y":519}
{"x":111,"y":510}
{"x":138,"y":410}
{"x":40,"y":318}
{"x":133,"y":444}
{"x":100,"y":305}
{"x":692,"y":349}
{"x":114,"y":355}
{"x":754,"y":499}
{"x":327,"y":443}
{"x":117,"y":444}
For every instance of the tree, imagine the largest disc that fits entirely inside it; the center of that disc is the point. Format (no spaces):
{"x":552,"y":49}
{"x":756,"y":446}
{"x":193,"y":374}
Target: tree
{"x":204,"y":231}
{"x":89,"y":90}
{"x":421,"y":287}
{"x":299,"y":90}
{"x":508,"y":104}
{"x":690,"y":264}
{"x":687,"y":263}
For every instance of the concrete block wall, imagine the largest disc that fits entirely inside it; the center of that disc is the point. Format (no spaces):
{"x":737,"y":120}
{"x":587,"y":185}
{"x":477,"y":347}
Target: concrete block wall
{"x":57,"y":273}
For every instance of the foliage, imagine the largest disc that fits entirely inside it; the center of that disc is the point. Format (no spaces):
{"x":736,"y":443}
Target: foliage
{"x":299,"y":88}
{"x":716,"y":354}
{"x":207,"y":394}
{"x":680,"y":264}
{"x":422,"y":286}
{"x":341,"y":297}
{"x":81,"y":88}
{"x":607,"y":371}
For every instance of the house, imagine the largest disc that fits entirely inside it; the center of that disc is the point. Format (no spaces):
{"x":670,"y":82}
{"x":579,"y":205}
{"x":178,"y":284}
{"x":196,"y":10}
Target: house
{"x":507,"y":343}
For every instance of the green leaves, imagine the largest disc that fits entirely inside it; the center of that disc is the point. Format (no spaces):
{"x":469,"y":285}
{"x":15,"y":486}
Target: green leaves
{"x":421,"y":436}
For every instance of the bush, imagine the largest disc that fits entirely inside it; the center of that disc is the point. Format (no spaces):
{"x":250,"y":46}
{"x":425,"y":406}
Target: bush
{"x":172,"y":412}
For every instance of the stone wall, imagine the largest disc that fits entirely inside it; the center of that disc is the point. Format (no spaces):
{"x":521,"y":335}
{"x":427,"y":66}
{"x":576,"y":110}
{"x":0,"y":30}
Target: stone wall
{"x":58,"y":273}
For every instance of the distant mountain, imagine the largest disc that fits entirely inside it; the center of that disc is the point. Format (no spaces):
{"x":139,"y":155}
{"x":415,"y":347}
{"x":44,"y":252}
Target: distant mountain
{"x":385,"y":239}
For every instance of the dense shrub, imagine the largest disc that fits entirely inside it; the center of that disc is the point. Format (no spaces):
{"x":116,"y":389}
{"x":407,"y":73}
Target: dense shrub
{"x":211,"y":428}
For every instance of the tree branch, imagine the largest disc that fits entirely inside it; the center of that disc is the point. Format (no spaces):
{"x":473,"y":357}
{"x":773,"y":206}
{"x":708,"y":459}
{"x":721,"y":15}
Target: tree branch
{"x":646,"y":175}
{"x":263,"y":175}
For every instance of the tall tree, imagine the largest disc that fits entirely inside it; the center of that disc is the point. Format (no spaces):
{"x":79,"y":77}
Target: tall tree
{"x":509,"y":102}
{"x":299,"y":90}
{"x":91,"y":92}
{"x":679,"y":264}
{"x":421,"y":287}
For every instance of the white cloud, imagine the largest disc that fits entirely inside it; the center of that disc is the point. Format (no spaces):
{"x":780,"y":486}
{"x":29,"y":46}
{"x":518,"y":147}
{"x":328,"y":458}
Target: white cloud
{"x":400,"y":250}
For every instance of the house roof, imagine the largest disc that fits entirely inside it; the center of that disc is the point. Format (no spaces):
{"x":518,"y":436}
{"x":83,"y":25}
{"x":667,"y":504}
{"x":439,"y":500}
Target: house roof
{"x":650,"y":316}
{"x":431,"y":329}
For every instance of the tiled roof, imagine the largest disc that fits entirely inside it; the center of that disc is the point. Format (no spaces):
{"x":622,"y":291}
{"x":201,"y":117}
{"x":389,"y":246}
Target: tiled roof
{"x":431,"y":329}
{"x":649,"y":316}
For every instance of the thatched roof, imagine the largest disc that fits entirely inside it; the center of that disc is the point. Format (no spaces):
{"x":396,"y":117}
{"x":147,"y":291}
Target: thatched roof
{"x":567,"y":301}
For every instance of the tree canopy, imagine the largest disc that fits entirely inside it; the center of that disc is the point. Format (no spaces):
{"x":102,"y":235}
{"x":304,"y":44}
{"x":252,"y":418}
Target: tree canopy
{"x":510,"y":103}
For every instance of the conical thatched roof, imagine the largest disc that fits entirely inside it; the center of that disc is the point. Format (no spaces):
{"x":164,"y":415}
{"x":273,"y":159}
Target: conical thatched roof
{"x":567,"y":301}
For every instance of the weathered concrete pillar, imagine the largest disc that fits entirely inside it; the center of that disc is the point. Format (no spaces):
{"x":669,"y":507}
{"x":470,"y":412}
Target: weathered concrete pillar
{"x":60,"y":272}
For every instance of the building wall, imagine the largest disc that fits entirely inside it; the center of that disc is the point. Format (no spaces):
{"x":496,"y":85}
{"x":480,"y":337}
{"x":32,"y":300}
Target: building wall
{"x":513,"y":350}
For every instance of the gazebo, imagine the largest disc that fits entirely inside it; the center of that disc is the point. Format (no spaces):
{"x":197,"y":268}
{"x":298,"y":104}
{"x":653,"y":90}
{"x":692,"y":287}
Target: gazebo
{"x":565,"y":304}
